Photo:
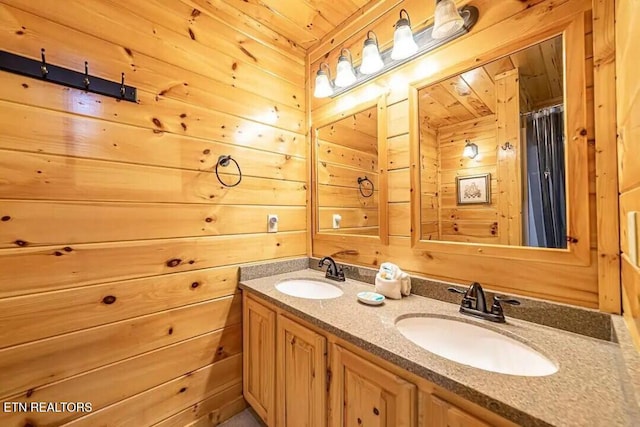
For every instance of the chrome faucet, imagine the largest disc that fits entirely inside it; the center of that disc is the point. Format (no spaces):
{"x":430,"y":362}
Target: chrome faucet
{"x":474,"y":303}
{"x":333,"y":272}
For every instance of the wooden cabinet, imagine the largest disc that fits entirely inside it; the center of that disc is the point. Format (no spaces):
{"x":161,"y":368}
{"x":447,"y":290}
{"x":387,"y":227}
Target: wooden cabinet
{"x":259,"y":340}
{"x":440,"y":413}
{"x":365,"y":395}
{"x":287,"y":382}
{"x":301,"y":376}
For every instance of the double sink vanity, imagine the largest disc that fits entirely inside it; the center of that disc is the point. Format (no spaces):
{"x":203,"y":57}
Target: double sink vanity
{"x":316,"y":356}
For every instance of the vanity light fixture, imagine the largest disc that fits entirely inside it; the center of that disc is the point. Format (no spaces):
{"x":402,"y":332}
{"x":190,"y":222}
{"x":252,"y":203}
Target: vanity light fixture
{"x":324,"y":88}
{"x":403,"y":43}
{"x":447,"y":19}
{"x":448,"y":26}
{"x":371,"y":60}
{"x":470,"y":150}
{"x":345,"y":74}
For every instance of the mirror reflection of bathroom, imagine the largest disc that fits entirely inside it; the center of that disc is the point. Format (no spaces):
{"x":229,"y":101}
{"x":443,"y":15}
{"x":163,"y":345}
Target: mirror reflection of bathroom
{"x":347,"y":175}
{"x":492,"y":152}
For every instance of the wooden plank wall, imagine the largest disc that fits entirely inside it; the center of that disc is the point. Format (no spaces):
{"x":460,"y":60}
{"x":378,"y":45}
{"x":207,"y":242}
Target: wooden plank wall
{"x":429,"y":183}
{"x":628,"y":111}
{"x":499,"y":21}
{"x":118,"y":247}
{"x":471,"y":223}
{"x":348,"y":150}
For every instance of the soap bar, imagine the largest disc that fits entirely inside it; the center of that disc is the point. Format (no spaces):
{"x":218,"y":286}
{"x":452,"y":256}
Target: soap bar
{"x":371,"y":298}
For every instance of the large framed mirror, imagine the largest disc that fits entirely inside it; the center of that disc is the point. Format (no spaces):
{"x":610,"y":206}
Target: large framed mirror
{"x":499,"y":155}
{"x":349,"y":171}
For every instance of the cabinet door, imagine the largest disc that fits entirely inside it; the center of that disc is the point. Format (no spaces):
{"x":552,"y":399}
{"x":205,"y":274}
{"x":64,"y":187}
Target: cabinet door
{"x":301,"y":373}
{"x":440,"y":413}
{"x":365,"y":395}
{"x":259,"y":337}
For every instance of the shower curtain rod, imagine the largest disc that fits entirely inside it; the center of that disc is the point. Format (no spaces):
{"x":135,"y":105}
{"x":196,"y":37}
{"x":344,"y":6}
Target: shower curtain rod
{"x":542,"y":109}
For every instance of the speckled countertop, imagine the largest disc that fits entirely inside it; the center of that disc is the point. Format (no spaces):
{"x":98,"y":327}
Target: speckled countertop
{"x":591,"y":388}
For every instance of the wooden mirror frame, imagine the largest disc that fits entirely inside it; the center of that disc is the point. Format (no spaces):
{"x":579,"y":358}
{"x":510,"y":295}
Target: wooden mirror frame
{"x":576,"y":161}
{"x":383,"y":217}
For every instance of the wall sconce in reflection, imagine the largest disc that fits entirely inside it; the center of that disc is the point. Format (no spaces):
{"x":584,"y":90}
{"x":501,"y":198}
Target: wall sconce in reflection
{"x":345,"y":74}
{"x":323,"y":82}
{"x":403,"y":43}
{"x":371,"y":60}
{"x":447,"y":19}
{"x":470,"y":150}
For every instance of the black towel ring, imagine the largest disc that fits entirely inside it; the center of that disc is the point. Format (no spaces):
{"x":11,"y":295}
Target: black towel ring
{"x":224,"y":161}
{"x":361,"y":186}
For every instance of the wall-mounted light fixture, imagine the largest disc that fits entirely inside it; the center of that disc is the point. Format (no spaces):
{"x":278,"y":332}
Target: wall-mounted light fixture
{"x":345,"y":74}
{"x":470,"y":150}
{"x":371,"y":60}
{"x":403,"y":43}
{"x":449,"y":25}
{"x":447,"y":19}
{"x":324,"y":88}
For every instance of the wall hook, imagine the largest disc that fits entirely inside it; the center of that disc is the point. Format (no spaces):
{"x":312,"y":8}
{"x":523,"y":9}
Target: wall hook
{"x":43,"y":66}
{"x":507,"y":146}
{"x":42,"y":70}
{"x":224,"y":161}
{"x":86,"y":75}
{"x":122,"y":91}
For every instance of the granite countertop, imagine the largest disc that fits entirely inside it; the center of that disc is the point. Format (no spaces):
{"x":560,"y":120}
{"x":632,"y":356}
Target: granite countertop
{"x":590,"y":388}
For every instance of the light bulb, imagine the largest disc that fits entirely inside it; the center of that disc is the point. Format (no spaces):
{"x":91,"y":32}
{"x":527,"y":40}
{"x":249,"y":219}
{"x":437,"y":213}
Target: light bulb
{"x":371,"y":60}
{"x":323,"y":84}
{"x":403,"y":43}
{"x":345,"y":75}
{"x":447,"y":19}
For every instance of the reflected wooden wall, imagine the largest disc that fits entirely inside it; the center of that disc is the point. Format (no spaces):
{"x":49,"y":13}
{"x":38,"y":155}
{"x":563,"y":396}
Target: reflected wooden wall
{"x":348,"y":150}
{"x":118,"y":247}
{"x":470,"y":223}
{"x":628,"y":111}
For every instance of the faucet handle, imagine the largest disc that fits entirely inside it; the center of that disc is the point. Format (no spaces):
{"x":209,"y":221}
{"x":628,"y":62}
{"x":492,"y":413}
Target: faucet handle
{"x":456,"y":291}
{"x":506,"y":300}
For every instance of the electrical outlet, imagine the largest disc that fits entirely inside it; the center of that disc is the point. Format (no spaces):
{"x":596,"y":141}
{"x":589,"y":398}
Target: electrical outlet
{"x":336,"y":220}
{"x":272,"y":223}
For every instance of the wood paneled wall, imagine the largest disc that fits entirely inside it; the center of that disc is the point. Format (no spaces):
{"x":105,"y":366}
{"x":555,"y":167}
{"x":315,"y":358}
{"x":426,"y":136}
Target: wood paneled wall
{"x":627,"y":33}
{"x":593,"y":285}
{"x":429,"y":183}
{"x":471,"y":223}
{"x":118,"y":247}
{"x":348,"y":150}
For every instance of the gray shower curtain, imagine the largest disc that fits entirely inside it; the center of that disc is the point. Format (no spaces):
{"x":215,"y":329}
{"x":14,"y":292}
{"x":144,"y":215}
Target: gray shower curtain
{"x":547,"y":226}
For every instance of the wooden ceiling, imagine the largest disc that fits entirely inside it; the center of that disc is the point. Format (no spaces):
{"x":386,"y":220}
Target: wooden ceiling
{"x":472,"y":94}
{"x":302,"y":22}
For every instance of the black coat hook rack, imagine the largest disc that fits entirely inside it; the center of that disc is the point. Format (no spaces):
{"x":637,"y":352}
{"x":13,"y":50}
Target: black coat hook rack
{"x":41,"y":70}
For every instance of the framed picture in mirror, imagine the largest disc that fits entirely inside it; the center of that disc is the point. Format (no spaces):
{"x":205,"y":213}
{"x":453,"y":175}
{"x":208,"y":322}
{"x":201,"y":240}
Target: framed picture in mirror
{"x":474,"y":189}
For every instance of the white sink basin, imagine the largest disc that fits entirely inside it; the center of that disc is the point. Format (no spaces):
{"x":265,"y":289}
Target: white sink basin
{"x":475,"y":346}
{"x":309,"y":289}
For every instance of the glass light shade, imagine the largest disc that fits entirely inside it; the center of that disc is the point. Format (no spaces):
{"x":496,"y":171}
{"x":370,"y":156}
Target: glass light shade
{"x":447,"y":19}
{"x":470,"y":150}
{"x":323,"y":85}
{"x":345,"y":76}
{"x":371,"y":60}
{"x":403,"y":43}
